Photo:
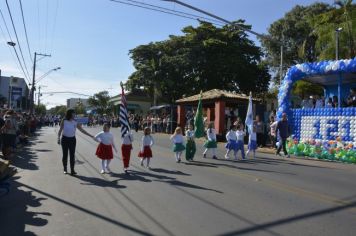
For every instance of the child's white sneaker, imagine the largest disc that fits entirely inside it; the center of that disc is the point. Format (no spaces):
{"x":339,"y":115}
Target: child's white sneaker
{"x":108,"y":170}
{"x":102,"y":172}
{"x":227,"y":157}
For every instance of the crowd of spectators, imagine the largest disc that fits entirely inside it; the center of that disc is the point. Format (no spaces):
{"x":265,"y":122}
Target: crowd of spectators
{"x":331,"y":102}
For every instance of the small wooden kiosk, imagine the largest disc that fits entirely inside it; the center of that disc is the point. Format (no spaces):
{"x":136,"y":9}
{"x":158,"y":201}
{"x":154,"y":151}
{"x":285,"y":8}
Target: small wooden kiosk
{"x":215,"y":105}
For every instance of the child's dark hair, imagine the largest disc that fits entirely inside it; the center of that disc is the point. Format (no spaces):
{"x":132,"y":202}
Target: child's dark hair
{"x":232,"y":127}
{"x":107,"y":125}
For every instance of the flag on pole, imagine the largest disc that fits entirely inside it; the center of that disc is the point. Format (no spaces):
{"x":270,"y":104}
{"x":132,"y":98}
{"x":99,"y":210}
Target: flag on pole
{"x":249,"y":115}
{"x":199,"y":120}
{"x":124,"y":121}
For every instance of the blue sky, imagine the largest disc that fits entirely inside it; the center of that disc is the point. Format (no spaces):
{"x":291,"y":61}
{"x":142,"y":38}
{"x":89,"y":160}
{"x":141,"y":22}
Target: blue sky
{"x":90,"y":39}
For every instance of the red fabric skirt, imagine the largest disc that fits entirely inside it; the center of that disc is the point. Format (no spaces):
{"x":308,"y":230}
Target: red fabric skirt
{"x":104,"y":152}
{"x":147,"y":152}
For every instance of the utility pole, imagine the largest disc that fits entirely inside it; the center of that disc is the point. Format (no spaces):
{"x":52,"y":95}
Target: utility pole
{"x":39,"y":95}
{"x":33,"y":88}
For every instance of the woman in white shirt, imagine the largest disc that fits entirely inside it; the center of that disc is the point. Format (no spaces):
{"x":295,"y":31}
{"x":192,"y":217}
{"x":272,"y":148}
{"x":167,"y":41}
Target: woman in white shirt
{"x":178,"y":146}
{"x":67,"y":130}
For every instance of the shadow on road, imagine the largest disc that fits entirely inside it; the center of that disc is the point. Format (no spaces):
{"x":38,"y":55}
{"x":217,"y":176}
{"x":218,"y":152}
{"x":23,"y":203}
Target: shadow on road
{"x":84,"y":210}
{"x":172,"y":172}
{"x":220,"y":163}
{"x":289,"y":220}
{"x":14,"y":213}
{"x":26,"y":157}
{"x":98,"y":182}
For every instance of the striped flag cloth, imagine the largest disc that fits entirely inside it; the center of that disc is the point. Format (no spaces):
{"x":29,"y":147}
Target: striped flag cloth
{"x":124,"y":121}
{"x":249,"y":115}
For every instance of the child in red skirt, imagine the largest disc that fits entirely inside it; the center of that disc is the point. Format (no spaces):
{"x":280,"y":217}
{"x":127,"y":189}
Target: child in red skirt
{"x":104,"y":149}
{"x":126,"y":148}
{"x":147,"y":142}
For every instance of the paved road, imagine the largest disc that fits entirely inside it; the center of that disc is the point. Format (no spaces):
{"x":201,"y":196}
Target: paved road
{"x":264,"y":196}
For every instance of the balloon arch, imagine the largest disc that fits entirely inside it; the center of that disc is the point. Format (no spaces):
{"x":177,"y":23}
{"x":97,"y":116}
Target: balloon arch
{"x":323,"y":133}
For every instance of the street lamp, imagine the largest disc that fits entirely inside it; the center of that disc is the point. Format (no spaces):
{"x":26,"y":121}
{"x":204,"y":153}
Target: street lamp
{"x":337,"y":32}
{"x":12,"y":44}
{"x":47,"y":73}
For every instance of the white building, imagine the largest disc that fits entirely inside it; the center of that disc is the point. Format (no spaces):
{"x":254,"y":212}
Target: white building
{"x":73,"y":102}
{"x":16,"y":93}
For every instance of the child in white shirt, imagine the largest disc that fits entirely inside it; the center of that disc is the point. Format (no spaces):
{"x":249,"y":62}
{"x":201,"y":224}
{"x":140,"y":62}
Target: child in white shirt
{"x":104,"y":149}
{"x":126,"y":148}
{"x":231,"y":144}
{"x":178,"y":143}
{"x":240,"y":133}
{"x":147,"y":143}
{"x":210,"y":144}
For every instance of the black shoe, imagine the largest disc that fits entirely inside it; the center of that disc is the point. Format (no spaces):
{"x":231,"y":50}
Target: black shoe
{"x":204,"y":155}
{"x":214,"y":157}
{"x":73,"y":172}
{"x":65,"y":172}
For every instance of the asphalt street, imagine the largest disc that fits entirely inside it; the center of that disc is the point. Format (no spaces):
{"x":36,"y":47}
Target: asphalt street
{"x":267,"y":195}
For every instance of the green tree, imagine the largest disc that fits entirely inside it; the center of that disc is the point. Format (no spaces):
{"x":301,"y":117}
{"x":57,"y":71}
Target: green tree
{"x":204,"y":58}
{"x":293,"y":31}
{"x":308,"y":34}
{"x":40,"y":109}
{"x":101,"y":102}
{"x":58,"y":110}
{"x":79,"y":108}
{"x":304,"y":89}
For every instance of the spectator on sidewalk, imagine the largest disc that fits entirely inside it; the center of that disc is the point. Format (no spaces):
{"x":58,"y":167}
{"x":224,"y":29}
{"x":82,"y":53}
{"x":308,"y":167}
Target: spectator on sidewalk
{"x":283,"y":129}
{"x":259,"y":131}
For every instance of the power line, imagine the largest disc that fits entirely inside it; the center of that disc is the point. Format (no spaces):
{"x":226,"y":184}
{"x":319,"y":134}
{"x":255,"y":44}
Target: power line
{"x":46,"y":27}
{"x":18,"y":58}
{"x":158,"y":10}
{"x":18,"y":41}
{"x":13,"y":57}
{"x":54,"y":25}
{"x":176,"y":11}
{"x":7,"y":29}
{"x":24,"y":25}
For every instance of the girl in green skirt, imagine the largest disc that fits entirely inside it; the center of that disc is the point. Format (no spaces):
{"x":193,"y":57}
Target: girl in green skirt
{"x":191,"y":148}
{"x":210,"y":144}
{"x":178,"y":143}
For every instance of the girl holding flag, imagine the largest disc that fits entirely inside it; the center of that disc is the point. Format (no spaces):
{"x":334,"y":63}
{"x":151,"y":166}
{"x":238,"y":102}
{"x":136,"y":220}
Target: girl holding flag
{"x":126,"y":134}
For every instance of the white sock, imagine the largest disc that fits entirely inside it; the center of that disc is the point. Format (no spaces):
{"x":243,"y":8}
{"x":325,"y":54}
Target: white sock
{"x":206,"y":150}
{"x":213,"y":151}
{"x":107,"y":163}
{"x":148,"y":162}
{"x":103,"y":164}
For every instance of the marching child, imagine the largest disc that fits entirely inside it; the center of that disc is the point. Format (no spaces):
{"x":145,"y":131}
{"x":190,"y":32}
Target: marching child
{"x":126,"y":148}
{"x":210,"y":144}
{"x":252,"y":142}
{"x":178,"y":146}
{"x":191,"y":147}
{"x":104,"y":149}
{"x":147,"y":143}
{"x":240,"y":133}
{"x":231,"y":138}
